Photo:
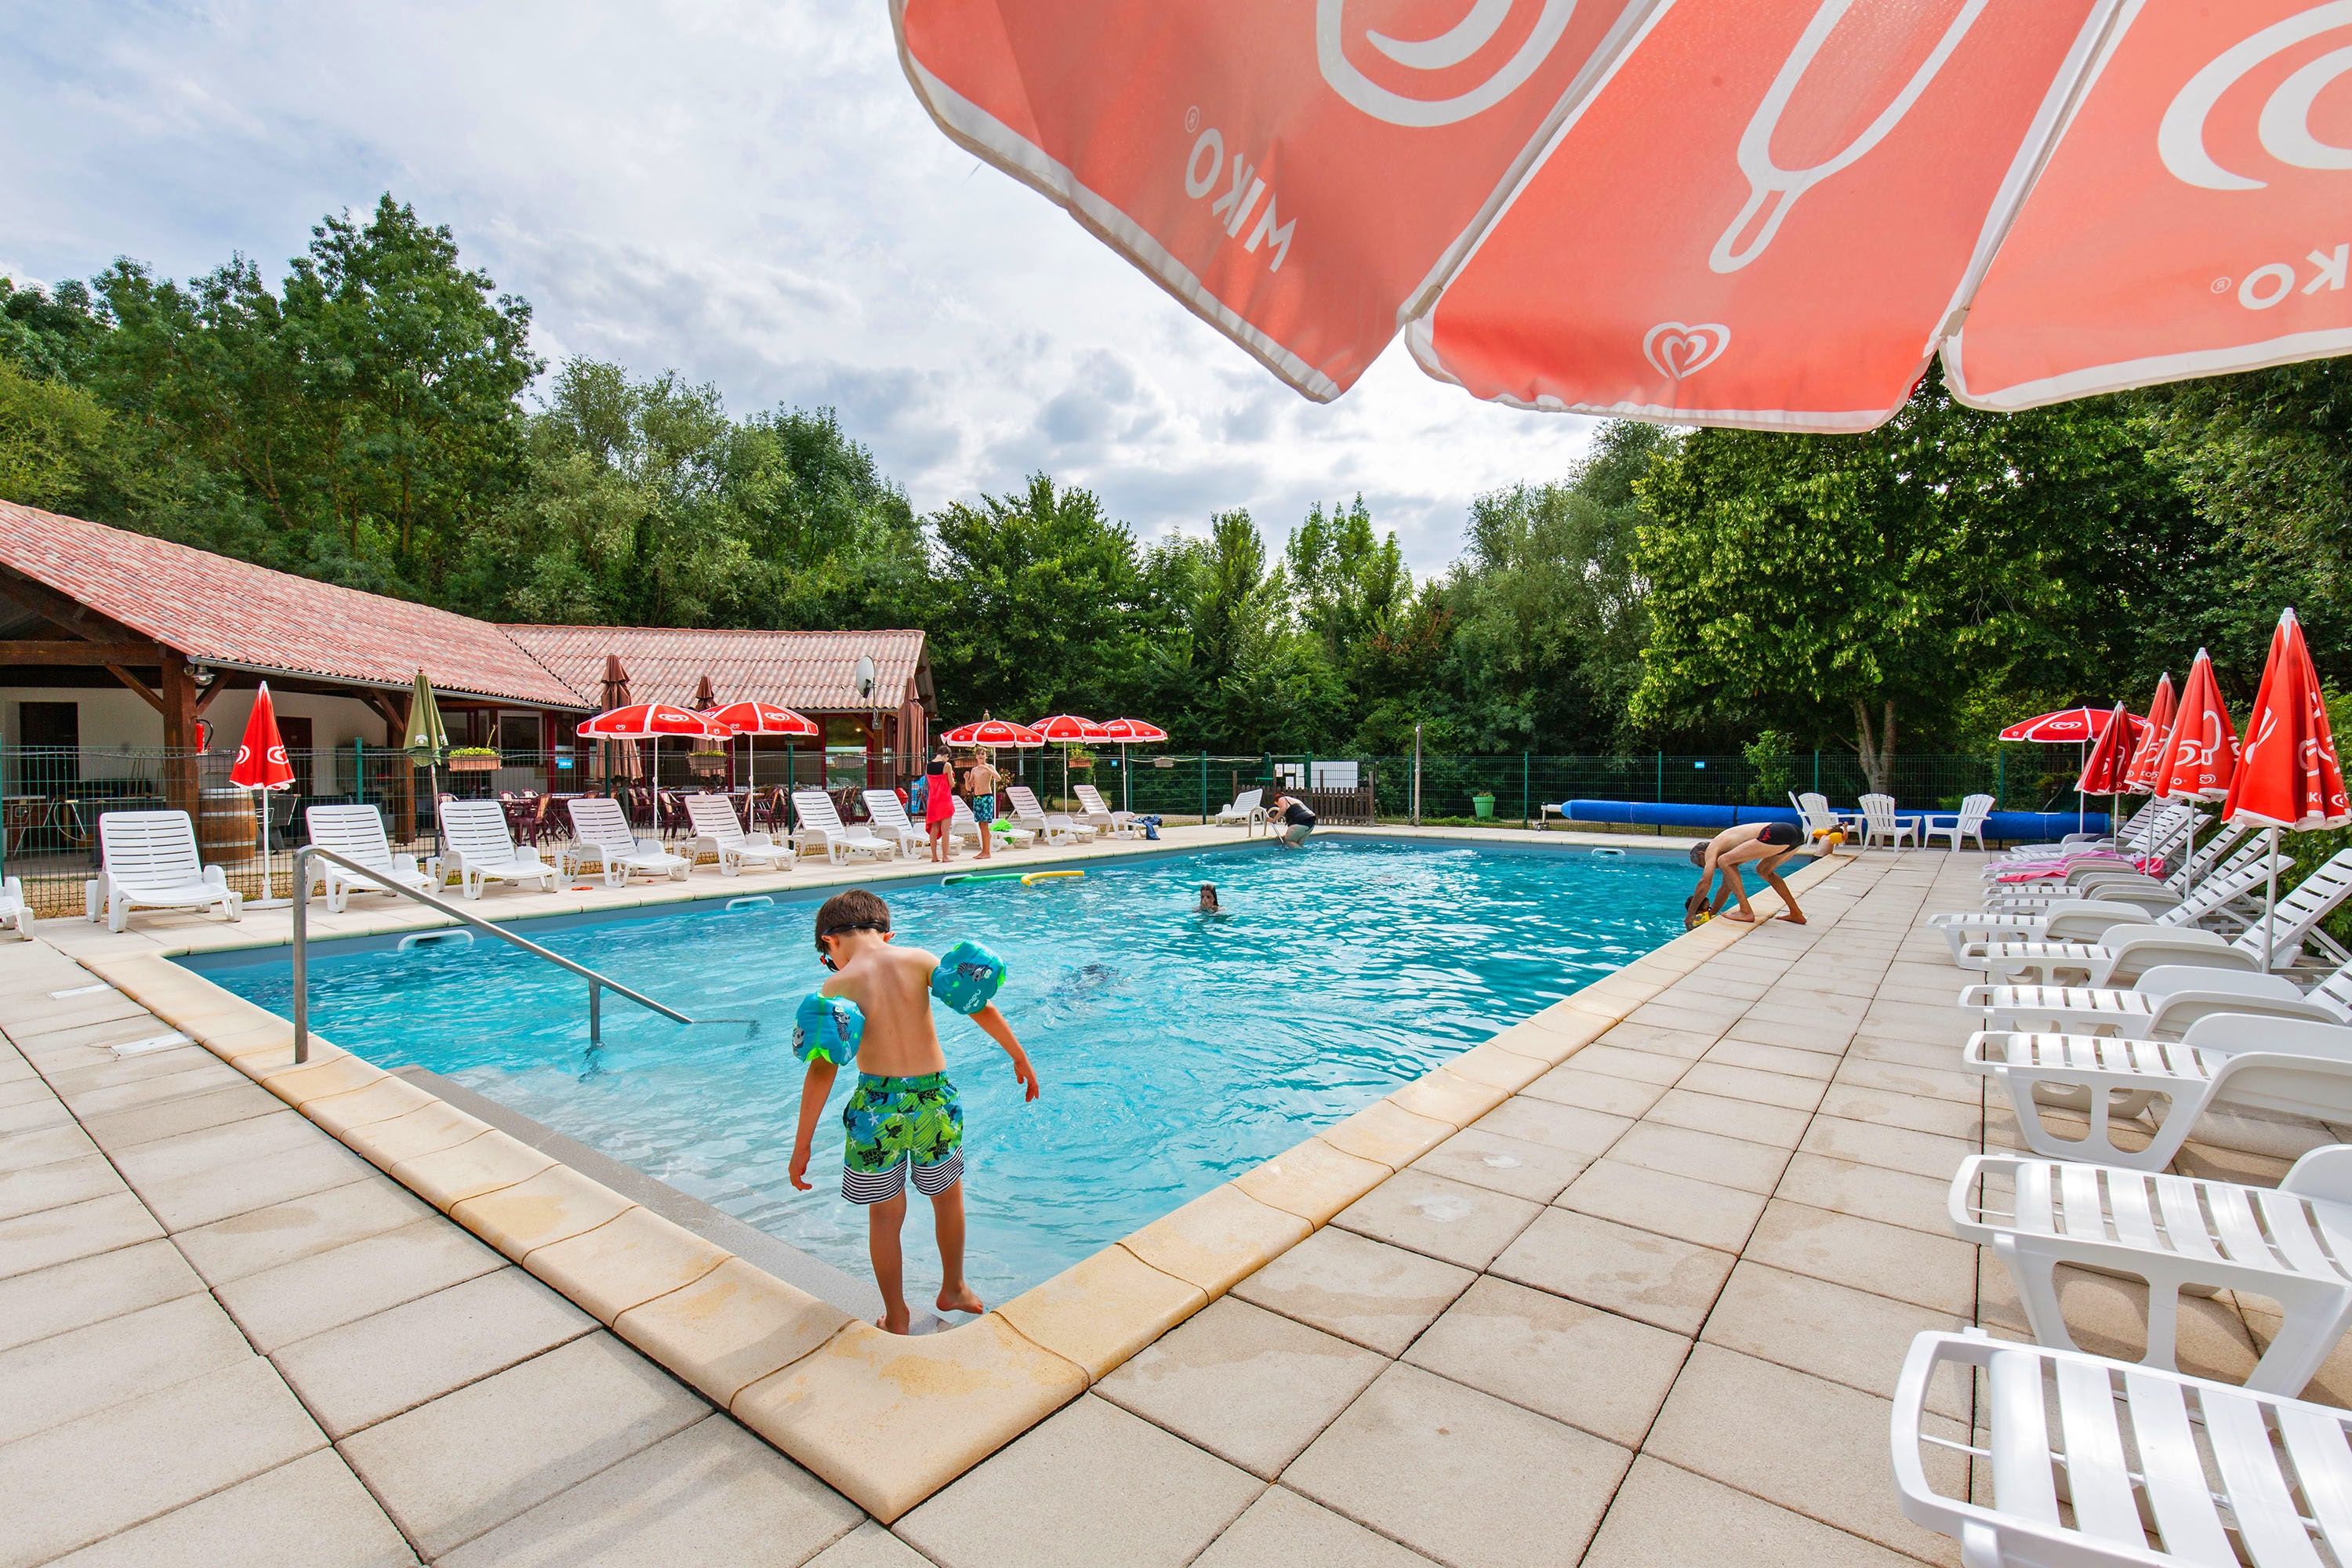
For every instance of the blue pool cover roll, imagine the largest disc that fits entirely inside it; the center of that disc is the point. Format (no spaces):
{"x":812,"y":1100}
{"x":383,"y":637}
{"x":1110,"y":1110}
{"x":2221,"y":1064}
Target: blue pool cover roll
{"x":2014,"y":826}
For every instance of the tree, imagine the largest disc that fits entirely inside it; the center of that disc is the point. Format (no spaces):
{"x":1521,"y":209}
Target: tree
{"x":52,"y":437}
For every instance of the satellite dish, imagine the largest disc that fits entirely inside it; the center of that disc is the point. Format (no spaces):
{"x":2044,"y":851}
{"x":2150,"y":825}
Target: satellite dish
{"x":865,"y":676}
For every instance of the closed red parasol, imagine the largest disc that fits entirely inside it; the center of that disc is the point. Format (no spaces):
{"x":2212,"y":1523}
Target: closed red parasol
{"x":2201,"y":753}
{"x":2149,"y":756}
{"x":2289,"y":775}
{"x":2107,"y":769}
{"x":261,"y":766}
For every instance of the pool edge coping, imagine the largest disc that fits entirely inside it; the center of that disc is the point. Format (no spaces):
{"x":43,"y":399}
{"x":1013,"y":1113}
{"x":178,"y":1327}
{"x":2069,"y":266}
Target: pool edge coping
{"x":887,"y":1420}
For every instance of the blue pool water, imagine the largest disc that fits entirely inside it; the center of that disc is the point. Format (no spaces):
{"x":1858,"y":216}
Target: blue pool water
{"x":1175,"y":1051}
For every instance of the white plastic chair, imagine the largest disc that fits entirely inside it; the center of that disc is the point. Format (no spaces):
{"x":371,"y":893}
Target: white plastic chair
{"x":1968,"y":823}
{"x":891,"y":821}
{"x":601,"y":832}
{"x":16,"y":914}
{"x":718,"y":829}
{"x":1102,"y":818}
{"x":356,"y":833}
{"x":150,"y":862}
{"x":1248,"y":809}
{"x":2140,"y":1454}
{"x":2295,"y":1067}
{"x":1879,"y":822}
{"x":478,"y":849}
{"x":822,"y":827}
{"x":1056,"y":827}
{"x":2172,"y":1232}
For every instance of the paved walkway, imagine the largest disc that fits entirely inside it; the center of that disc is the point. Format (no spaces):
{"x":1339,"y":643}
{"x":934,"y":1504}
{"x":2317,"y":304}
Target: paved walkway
{"x":1654,"y":1301}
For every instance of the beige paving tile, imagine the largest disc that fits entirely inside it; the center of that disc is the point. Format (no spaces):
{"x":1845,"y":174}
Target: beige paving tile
{"x":325,"y":1289}
{"x":1282,"y":1530}
{"x":1251,"y":1386}
{"x":1783,"y":1061}
{"x":1940,"y":1082}
{"x":731,"y":1328}
{"x":185,"y":1202}
{"x":1895,"y":1148}
{"x":1656,"y":1278}
{"x":1928,"y":1271}
{"x":78,"y":1230}
{"x":1704,"y":1156}
{"x":205,"y":1078}
{"x":1617,"y":1061}
{"x":1560,"y":1358}
{"x":1388,"y":1134}
{"x":1758,"y":1122}
{"x":427,"y":1130}
{"x":1216,"y":1238}
{"x":1871,"y":1191}
{"x":1812,"y":1036}
{"x":486,"y":1164}
{"x":1571,"y":1129}
{"x":1824,"y":1437}
{"x":1913,"y":1112}
{"x":1848,"y":1336}
{"x":1535,"y":1172}
{"x":1571,"y":1083}
{"x":1124,"y":1491}
{"x":1312,"y":1180}
{"x":69,"y":1375}
{"x":1939,"y":1056}
{"x":129,"y":1129}
{"x":46,"y":1146}
{"x":1446,"y":1096}
{"x":1461,"y":1476}
{"x":711,"y":1494}
{"x":1749,"y":1085}
{"x":1455,"y":1221}
{"x":554,"y":1205}
{"x":90,"y":1290}
{"x":74,"y":1180}
{"x":311,"y":1513}
{"x":465,"y":1463}
{"x":624,"y":1262}
{"x":265,"y":1238}
{"x":870,"y":1546}
{"x":1659,"y":1039}
{"x":89,"y":1478}
{"x":1703,"y":1212}
{"x":1365,"y":1290}
{"x":165,"y":1160}
{"x":1662,"y":1508}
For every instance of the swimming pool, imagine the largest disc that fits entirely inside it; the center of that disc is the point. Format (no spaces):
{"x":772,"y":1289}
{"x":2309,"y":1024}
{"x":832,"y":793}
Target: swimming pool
{"x":1176,"y":1050}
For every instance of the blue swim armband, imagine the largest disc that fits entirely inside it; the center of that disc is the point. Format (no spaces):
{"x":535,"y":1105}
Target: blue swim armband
{"x":827,"y":1027}
{"x":968,"y":977}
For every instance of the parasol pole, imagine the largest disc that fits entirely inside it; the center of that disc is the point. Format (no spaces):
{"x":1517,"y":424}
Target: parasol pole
{"x":2082,"y":761}
{"x":2269,"y":904}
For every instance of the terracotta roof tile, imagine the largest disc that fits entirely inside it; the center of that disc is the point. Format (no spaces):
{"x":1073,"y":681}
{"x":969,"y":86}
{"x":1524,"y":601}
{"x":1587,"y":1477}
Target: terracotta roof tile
{"x":812,"y":672}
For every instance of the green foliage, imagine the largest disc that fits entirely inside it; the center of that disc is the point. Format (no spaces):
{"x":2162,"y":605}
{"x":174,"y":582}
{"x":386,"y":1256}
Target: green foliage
{"x":52,"y":437}
{"x":1772,"y":759}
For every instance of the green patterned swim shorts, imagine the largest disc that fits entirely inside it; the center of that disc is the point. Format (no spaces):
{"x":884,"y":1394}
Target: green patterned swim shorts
{"x":895,"y":1121}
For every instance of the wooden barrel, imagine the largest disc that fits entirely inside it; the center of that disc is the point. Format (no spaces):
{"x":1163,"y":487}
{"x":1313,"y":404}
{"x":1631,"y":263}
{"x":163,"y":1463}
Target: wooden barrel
{"x":224,"y":826}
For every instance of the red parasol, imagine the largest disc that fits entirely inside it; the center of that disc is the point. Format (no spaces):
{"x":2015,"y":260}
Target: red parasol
{"x":1126,"y":732}
{"x":2289,"y":775}
{"x":2067,"y":726}
{"x":2201,"y":753}
{"x":2140,"y":779}
{"x":762,"y":718}
{"x":261,"y":765}
{"x":1068,"y":729}
{"x":641,"y":720}
{"x":993,"y":733}
{"x":2107,"y":769}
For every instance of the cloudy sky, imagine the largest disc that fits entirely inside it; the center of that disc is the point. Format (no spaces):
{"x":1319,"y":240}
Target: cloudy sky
{"x":744,"y":191}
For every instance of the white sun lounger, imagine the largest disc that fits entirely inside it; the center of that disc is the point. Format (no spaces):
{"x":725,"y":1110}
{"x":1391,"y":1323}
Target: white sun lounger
{"x":601,"y":832}
{"x":1102,"y":818}
{"x":1248,"y":809}
{"x":149,"y":861}
{"x":1056,"y":827}
{"x":2166,"y":1000}
{"x":16,"y":914}
{"x":2226,"y":850}
{"x":2223,"y":900}
{"x":891,"y":821}
{"x":356,"y":833}
{"x":2172,"y":1232}
{"x":478,"y":849}
{"x":2076,"y":949}
{"x":964,"y":824}
{"x":2152,"y":816}
{"x":822,"y":828}
{"x":718,"y":829}
{"x":2296,"y":1067}
{"x":2156,"y":1468}
{"x":2162,"y":842}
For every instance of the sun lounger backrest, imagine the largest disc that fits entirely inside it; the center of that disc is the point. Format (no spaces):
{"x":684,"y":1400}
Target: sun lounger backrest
{"x":354,"y":832}
{"x":2216,"y":891}
{"x":713,"y":817}
{"x":598,"y":820}
{"x":886,"y":809}
{"x":1025,"y":800}
{"x":2313,"y":901}
{"x":151,"y":848}
{"x":1249,"y":800}
{"x":1091,"y":798}
{"x":818,"y":811}
{"x":476,"y":829}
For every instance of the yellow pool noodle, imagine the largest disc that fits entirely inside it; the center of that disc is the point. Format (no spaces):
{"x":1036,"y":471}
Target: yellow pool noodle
{"x":1035,"y":877}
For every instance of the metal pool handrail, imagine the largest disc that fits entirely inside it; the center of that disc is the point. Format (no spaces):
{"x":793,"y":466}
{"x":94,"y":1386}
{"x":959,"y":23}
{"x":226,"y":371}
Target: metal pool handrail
{"x":596,"y":982}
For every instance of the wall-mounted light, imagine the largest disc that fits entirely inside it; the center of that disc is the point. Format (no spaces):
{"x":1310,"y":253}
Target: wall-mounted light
{"x":203,"y":675}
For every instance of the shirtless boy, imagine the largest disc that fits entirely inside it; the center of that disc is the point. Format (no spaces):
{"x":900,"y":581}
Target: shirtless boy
{"x":904,"y":1110}
{"x":1766,"y":846}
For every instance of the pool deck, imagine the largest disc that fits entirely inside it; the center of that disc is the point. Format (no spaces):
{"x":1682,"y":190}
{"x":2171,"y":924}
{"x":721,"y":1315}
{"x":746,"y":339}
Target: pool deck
{"x":1634,"y":1276}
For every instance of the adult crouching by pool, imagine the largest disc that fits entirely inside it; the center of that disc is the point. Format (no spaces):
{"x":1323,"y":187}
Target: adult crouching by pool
{"x":1766,"y":846}
{"x":1296,"y":821}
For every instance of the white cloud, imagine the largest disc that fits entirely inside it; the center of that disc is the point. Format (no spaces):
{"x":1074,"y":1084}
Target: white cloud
{"x":747,"y":193}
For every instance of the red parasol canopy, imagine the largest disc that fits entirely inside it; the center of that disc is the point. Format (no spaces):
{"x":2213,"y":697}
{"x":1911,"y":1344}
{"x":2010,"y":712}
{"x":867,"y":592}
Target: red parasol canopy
{"x":2140,"y":778}
{"x":642,"y":719}
{"x":2107,"y":769}
{"x":1132,"y":732}
{"x":261,"y":756}
{"x":1762,"y":213}
{"x":1065,"y":727}
{"x":993,"y":732}
{"x":2065,"y":727}
{"x":2201,"y":753}
{"x":2289,"y":775}
{"x":748,"y":717}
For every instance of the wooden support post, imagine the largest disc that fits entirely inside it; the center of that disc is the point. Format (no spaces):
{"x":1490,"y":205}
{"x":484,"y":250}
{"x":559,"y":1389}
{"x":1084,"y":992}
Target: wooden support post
{"x":179,"y":705}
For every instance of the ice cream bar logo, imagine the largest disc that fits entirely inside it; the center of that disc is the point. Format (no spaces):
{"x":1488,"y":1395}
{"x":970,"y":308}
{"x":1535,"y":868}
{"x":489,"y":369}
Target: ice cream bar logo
{"x":1677,"y":348}
{"x":1477,"y":29}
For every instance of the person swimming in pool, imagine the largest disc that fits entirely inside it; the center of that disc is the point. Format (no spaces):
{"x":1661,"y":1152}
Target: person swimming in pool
{"x":1766,"y":846}
{"x":1208,"y":905}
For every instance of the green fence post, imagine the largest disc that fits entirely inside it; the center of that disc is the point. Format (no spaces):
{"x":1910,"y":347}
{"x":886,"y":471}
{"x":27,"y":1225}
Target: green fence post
{"x":1817,"y":770}
{"x":1205,"y":786}
{"x":1527,"y":776}
{"x":1661,"y":778}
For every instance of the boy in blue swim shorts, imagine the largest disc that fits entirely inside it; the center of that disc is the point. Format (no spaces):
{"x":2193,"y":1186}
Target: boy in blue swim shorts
{"x":903,"y":1116}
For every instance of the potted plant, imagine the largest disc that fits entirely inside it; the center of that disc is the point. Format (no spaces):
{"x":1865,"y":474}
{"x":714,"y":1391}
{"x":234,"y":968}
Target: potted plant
{"x":473,"y":758}
{"x":1483,"y":803}
{"x":1081,"y":760}
{"x":706,"y":764}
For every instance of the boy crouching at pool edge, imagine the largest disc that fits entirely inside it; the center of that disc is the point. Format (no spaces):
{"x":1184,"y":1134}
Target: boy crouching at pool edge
{"x":875,"y":1010}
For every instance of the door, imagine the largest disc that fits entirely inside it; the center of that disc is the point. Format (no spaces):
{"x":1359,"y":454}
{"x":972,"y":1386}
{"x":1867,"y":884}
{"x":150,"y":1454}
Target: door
{"x":52,"y":733}
{"x":296,"y":734}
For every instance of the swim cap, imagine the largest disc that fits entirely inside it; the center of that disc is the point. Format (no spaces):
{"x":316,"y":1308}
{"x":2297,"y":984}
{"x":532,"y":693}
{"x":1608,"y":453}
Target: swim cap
{"x":827,"y":1027}
{"x":968,"y":977}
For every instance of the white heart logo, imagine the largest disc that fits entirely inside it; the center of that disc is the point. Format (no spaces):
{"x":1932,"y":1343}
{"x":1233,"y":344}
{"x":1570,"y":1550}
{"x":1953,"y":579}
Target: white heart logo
{"x":1679,"y":350}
